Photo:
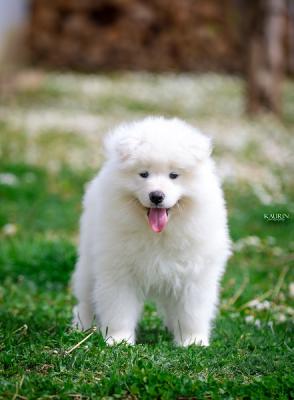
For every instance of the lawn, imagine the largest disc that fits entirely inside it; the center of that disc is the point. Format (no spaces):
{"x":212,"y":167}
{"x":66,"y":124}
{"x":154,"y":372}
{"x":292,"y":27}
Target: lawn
{"x":51,"y":127}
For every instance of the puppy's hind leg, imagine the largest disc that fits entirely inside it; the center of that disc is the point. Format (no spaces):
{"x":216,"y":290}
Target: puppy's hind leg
{"x":83,"y":314}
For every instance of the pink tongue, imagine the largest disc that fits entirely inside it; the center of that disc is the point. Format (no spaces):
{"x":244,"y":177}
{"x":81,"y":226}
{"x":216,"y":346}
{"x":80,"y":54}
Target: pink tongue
{"x":157,"y":218}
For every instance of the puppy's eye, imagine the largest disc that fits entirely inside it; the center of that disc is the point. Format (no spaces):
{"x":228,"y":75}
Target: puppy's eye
{"x":144,"y":174}
{"x":173,"y":175}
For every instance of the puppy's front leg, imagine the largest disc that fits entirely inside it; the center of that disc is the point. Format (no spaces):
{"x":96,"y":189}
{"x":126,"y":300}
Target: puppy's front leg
{"x":118,"y":308}
{"x":193,"y":315}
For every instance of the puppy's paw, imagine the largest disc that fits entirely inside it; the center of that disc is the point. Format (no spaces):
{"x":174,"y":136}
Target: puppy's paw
{"x":194,"y":338}
{"x":119,"y":337}
{"x":82,"y":319}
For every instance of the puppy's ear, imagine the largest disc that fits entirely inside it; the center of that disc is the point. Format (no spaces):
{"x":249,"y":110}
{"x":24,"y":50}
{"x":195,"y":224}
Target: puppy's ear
{"x":126,"y":148}
{"x":201,"y":147}
{"x":120,"y":147}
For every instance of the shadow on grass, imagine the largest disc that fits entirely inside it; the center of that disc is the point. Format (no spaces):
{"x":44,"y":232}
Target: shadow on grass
{"x":152,"y":335}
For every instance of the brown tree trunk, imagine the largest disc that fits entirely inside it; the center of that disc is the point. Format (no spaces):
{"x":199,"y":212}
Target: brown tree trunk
{"x":290,"y":37}
{"x":266,"y":24}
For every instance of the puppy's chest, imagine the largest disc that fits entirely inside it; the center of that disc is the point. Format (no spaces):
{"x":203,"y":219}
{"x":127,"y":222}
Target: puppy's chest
{"x":162,"y":267}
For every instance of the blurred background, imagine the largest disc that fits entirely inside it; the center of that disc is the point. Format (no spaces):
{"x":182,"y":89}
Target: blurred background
{"x":70,"y":70}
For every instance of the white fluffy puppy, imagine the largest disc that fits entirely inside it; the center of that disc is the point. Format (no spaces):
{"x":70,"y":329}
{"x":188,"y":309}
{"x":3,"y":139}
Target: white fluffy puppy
{"x":154,"y":226}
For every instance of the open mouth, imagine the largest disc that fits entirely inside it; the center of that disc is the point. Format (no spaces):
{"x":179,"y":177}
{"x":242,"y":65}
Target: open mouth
{"x":157,"y":218}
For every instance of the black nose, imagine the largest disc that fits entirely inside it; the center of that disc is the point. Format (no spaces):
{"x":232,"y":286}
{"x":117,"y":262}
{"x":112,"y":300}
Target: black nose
{"x":156,"y":197}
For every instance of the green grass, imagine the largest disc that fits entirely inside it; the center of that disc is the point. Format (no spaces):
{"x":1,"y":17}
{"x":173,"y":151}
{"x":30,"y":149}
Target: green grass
{"x":245,"y":360}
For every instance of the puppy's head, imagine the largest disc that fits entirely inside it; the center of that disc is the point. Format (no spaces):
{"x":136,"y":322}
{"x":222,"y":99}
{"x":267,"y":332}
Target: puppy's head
{"x":158,"y":160}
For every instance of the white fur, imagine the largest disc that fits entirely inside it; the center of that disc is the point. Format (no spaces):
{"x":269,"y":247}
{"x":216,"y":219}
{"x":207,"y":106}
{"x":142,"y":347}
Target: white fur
{"x":122,"y":261}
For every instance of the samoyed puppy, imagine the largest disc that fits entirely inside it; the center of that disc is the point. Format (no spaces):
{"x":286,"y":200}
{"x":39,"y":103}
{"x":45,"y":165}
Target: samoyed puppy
{"x":154,"y":226}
